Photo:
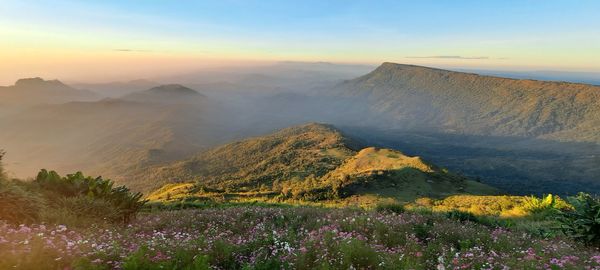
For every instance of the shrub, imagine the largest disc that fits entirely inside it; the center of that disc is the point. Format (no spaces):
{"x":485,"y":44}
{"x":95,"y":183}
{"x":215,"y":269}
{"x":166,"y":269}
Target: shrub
{"x":461,"y":216}
{"x":74,"y":184}
{"x":390,"y":207}
{"x":423,"y":230}
{"x":121,"y":199}
{"x":357,"y":254}
{"x":18,"y":205}
{"x":80,"y":211}
{"x":424,"y":201}
{"x":536,"y":205}
{"x":582,"y":221}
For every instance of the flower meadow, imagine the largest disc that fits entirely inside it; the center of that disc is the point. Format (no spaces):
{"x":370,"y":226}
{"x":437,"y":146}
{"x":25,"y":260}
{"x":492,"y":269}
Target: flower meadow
{"x":256,"y":237}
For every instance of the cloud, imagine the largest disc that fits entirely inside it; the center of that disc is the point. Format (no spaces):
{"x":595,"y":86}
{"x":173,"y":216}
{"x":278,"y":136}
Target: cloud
{"x":130,"y":50}
{"x":451,"y":57}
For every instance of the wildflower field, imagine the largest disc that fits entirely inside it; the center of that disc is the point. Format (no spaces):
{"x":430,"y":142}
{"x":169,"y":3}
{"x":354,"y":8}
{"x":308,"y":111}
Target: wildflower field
{"x":257,"y":237}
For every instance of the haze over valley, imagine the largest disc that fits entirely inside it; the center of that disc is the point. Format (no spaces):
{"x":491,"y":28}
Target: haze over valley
{"x":522,"y":136}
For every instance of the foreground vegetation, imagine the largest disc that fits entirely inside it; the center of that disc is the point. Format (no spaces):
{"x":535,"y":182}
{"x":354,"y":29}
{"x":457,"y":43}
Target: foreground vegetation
{"x":79,"y":222}
{"x":253,"y":237}
{"x":73,"y":199}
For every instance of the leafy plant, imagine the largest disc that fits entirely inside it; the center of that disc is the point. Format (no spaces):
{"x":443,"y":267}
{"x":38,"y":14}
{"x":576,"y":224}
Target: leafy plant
{"x":582,"y":222}
{"x":123,"y":201}
{"x":390,"y":207}
{"x":80,"y":211}
{"x":538,"y":205}
{"x":461,"y":216}
{"x":18,"y":205}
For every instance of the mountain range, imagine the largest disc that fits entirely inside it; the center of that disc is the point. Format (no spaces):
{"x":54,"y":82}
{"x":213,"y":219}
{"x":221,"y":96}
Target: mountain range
{"x":33,"y":91}
{"x":109,"y":136}
{"x":522,"y":136}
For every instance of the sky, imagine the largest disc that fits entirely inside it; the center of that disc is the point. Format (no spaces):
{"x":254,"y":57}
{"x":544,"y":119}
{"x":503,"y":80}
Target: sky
{"x":108,"y":40}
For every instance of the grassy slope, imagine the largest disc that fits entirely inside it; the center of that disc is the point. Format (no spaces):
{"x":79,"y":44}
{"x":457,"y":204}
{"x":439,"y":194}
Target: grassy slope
{"x":295,"y":152}
{"x":391,"y":174}
{"x":313,"y":159}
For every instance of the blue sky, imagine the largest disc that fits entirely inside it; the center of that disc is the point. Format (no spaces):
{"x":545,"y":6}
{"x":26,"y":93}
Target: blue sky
{"x":548,"y":34}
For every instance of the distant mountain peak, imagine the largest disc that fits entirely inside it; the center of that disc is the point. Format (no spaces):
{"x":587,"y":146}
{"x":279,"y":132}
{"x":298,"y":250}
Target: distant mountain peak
{"x":168,"y":93}
{"x":389,"y":66}
{"x":311,"y":126}
{"x":29,"y":80}
{"x":38,"y":82}
{"x":173,"y":89}
{"x":140,"y":81}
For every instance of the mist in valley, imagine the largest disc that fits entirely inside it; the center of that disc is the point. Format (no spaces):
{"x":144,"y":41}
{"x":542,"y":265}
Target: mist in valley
{"x":113,"y":129}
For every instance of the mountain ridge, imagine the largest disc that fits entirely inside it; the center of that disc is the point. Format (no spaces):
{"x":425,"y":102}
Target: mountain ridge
{"x":33,"y":91}
{"x":167,"y":93}
{"x":458,"y":102}
{"x":312,"y":161}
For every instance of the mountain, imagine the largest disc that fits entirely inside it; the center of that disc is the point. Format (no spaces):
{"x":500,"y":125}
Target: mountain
{"x":422,"y":98}
{"x":33,"y":91}
{"x":170,"y":93}
{"x":292,"y":152}
{"x":107,"y":137}
{"x":311,"y":161}
{"x":117,"y":89}
{"x":545,"y":75}
{"x":523,"y":136}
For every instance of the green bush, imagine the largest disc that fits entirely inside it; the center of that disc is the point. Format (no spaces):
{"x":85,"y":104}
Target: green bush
{"x":17,"y":205}
{"x":358,"y":255}
{"x":461,"y":216}
{"x":122,"y":204}
{"x":390,"y":207}
{"x":546,"y":204}
{"x":181,"y":259}
{"x":582,"y":221}
{"x":80,"y":211}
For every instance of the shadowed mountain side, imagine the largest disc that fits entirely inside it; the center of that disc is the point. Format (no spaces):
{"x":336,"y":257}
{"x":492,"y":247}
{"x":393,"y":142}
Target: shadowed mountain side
{"x":390,"y":173}
{"x":516,"y":165}
{"x":440,"y":100}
